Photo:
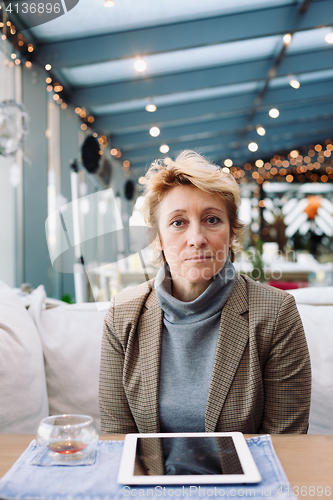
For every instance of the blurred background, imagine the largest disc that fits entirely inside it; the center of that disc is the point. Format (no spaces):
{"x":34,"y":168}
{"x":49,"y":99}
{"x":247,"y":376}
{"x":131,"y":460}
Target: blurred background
{"x":92,"y":91}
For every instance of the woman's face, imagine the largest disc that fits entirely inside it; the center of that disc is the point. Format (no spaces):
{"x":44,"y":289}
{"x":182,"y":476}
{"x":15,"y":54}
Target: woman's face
{"x":194,"y":233}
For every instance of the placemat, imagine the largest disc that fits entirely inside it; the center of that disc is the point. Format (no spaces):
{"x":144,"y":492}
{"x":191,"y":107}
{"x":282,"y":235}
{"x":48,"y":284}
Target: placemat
{"x":99,"y":481}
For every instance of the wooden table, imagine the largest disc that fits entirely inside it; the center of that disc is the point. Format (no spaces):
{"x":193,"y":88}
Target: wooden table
{"x":306,"y":459}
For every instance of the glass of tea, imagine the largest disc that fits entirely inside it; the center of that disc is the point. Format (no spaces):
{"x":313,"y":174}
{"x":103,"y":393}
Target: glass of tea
{"x":70,"y":436}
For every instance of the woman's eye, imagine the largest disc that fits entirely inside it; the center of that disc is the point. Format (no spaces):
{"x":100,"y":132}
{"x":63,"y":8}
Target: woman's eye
{"x":177,"y":223}
{"x":213,"y":220}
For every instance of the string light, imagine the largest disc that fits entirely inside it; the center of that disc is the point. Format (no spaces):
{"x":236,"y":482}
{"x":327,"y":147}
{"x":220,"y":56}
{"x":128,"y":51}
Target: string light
{"x":298,"y":164}
{"x":287,"y":39}
{"x":28,"y":64}
{"x":260,"y":130}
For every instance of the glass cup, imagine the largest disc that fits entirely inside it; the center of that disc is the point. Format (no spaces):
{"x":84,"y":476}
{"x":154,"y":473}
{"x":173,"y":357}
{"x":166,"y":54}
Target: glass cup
{"x":70,"y":436}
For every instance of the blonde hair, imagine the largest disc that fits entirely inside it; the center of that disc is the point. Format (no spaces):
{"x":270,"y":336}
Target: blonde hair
{"x":189,"y":168}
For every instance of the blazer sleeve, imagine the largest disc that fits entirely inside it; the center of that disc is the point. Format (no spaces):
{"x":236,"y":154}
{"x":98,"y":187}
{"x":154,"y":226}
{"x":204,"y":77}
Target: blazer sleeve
{"x":116,"y":416}
{"x":287,"y":374}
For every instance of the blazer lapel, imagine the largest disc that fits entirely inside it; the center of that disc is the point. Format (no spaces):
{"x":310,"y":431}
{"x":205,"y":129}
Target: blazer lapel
{"x":232,"y":340}
{"x":150,"y":330}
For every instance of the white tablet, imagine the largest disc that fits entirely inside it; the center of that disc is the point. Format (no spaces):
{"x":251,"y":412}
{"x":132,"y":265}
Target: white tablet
{"x":187,"y":458}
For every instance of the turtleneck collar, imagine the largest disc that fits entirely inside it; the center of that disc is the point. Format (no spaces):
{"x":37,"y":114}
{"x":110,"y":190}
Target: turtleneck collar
{"x":205,"y":306}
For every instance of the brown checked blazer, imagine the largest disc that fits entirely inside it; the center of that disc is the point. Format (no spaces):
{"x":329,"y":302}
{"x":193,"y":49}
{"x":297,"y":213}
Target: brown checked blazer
{"x":261,"y":380}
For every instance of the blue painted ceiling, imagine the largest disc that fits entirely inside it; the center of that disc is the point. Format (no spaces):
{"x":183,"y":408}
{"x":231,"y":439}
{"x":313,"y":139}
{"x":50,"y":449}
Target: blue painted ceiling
{"x":214,"y":70}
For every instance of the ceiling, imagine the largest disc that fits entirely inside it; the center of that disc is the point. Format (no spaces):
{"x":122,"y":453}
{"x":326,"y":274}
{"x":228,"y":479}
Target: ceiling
{"x":214,"y":70}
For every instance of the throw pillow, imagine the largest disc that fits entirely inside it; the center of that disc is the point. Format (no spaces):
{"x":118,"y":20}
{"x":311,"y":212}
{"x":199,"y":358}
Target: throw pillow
{"x":23,"y":396}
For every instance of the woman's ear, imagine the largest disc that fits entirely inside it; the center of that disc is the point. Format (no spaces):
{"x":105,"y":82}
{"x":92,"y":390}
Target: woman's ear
{"x":158,"y":244}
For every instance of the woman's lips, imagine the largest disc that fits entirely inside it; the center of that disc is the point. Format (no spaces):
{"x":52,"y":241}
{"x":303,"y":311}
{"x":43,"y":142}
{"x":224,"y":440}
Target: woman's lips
{"x":196,"y":259}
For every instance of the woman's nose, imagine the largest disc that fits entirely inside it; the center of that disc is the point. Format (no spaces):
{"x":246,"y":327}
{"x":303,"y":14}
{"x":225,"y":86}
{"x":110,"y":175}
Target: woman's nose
{"x":197,"y":237}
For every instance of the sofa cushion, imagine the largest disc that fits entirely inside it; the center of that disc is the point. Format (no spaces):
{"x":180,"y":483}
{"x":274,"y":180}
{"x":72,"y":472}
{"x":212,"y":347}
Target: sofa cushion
{"x":23,"y":396}
{"x":317,"y":322}
{"x":317,"y":295}
{"x":71,"y":336}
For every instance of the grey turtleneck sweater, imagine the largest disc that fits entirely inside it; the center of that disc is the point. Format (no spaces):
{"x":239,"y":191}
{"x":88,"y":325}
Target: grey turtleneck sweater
{"x":189,"y":338}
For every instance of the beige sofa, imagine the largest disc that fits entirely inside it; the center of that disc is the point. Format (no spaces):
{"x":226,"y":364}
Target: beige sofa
{"x":49,"y":358}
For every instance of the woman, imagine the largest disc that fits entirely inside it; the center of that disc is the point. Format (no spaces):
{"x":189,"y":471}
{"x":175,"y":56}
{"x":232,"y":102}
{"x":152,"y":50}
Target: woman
{"x":201,"y":348}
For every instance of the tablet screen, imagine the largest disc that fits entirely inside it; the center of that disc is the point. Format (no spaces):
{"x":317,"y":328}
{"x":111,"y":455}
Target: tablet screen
{"x":187,"y":456}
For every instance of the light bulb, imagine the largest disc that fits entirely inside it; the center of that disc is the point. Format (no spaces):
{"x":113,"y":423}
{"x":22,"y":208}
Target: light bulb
{"x":260,"y":130}
{"x":294,"y":83}
{"x":150,"y":108}
{"x":329,"y":37}
{"x":273,"y":113}
{"x":253,"y":146}
{"x":154,"y":131}
{"x":140,"y":65}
